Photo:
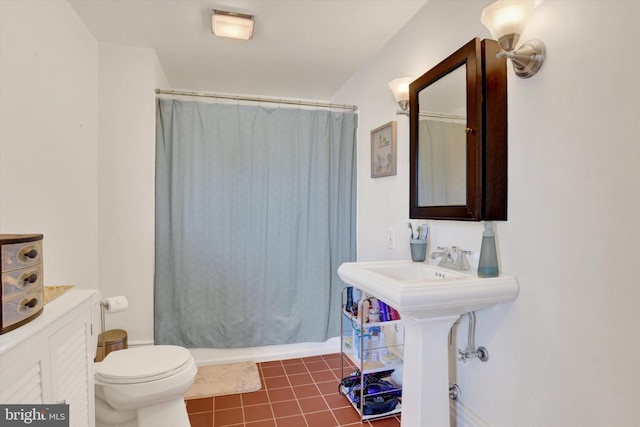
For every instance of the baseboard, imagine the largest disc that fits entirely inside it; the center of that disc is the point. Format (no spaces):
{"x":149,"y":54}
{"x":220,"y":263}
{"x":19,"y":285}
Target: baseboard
{"x":462,"y":416}
{"x":217,"y":356}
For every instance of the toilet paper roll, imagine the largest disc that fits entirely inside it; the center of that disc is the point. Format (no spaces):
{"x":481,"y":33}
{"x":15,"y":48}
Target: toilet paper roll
{"x":115,"y":304}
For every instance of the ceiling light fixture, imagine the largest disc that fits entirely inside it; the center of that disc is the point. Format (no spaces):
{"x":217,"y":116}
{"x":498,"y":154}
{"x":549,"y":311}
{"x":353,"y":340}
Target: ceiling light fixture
{"x":506,"y":19}
{"x":400,"y":89}
{"x":232,"y":25}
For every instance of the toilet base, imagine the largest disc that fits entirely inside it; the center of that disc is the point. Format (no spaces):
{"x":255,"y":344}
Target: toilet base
{"x":107,"y":416}
{"x":169,"y":413}
{"x":172,"y":413}
{"x":130,"y":423}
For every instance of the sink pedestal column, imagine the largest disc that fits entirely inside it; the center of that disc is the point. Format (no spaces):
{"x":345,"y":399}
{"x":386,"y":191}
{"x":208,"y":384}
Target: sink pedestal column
{"x":425,"y":383}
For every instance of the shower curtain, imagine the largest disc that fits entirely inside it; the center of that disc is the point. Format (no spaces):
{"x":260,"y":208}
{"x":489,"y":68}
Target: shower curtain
{"x":255,"y":211}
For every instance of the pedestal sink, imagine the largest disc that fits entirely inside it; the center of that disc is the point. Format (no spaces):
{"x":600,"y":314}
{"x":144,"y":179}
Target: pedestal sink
{"x":429,"y":299}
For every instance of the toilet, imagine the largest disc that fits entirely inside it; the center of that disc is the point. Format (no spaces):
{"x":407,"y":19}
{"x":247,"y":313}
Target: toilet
{"x":144,"y":387}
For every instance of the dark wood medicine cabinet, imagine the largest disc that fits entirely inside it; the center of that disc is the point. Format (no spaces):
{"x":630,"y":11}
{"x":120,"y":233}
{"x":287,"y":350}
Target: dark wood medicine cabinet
{"x":458,"y":137}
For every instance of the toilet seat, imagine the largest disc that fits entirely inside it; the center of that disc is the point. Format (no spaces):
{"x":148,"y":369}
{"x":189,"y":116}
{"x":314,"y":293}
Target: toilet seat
{"x":143,"y":364}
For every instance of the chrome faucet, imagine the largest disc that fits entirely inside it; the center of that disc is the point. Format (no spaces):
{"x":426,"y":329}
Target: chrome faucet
{"x":447,"y":260}
{"x":461,"y":261}
{"x":444,"y":254}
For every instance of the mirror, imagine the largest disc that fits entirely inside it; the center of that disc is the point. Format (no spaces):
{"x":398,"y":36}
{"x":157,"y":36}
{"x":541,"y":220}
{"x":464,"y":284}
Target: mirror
{"x":458,"y":137}
{"x":442,"y":141}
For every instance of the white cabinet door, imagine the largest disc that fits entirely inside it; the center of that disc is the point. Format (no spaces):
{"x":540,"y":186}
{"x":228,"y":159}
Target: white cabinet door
{"x":50,"y":360}
{"x":22,"y":376}
{"x":71,"y":368}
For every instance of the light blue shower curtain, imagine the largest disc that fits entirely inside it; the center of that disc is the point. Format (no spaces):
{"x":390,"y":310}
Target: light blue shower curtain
{"x":255,"y":211}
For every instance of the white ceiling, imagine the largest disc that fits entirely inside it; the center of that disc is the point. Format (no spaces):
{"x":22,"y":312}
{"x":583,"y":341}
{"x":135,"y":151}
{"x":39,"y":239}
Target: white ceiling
{"x":305,"y":49}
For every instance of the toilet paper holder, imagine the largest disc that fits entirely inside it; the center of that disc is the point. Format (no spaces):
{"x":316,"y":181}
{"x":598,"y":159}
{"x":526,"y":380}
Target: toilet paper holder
{"x":108,"y":306}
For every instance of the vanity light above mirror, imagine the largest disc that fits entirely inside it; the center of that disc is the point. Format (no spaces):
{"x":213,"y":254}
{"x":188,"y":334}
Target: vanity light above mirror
{"x":506,"y":19}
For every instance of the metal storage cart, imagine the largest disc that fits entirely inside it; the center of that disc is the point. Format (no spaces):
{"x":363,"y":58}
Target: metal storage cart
{"x":371,"y":352}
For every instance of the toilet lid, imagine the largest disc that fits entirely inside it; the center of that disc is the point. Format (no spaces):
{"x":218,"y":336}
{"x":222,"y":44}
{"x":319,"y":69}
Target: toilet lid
{"x":143,"y":364}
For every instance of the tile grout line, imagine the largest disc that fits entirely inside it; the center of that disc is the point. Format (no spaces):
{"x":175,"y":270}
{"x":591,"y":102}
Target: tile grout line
{"x":296,"y":397}
{"x":322,"y":394}
{"x":273,"y":415}
{"x":308,"y":364}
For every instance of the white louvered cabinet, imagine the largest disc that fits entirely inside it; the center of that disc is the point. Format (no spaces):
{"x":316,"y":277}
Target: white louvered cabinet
{"x":50,"y":360}
{"x":21,"y":380}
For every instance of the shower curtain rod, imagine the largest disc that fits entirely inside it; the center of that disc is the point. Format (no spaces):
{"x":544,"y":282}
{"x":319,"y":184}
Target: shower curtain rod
{"x":441,"y":115}
{"x":255,"y":99}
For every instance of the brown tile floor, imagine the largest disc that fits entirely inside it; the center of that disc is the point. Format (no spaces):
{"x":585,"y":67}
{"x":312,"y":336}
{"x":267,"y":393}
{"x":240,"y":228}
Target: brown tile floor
{"x":295,"y":393}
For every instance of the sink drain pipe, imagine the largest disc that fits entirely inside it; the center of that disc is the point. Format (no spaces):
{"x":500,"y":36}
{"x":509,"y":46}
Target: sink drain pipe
{"x":471,"y":352}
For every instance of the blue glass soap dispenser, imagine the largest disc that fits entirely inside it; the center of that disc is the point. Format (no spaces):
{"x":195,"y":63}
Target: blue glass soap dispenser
{"x":488,"y":264}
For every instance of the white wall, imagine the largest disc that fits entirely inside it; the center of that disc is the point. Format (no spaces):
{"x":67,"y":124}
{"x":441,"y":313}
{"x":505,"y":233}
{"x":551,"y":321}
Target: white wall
{"x":383,"y":203}
{"x":48,"y":136}
{"x":126,"y":172}
{"x":77,"y":141}
{"x":564,"y":353}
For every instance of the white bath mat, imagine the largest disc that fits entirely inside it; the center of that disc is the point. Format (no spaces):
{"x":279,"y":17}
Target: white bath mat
{"x":219,"y":380}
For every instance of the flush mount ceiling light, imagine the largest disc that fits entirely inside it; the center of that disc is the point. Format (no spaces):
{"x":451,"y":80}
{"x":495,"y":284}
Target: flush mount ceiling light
{"x":400,"y":89}
{"x":506,"y":19}
{"x":232,"y":25}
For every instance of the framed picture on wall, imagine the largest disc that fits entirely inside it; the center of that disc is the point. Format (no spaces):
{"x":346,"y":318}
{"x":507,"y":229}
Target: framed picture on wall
{"x":384,"y":151}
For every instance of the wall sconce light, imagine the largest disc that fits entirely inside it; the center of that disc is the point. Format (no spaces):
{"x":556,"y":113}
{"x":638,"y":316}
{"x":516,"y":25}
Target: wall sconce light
{"x":400,"y":89}
{"x":506,"y":19}
{"x":231,"y":24}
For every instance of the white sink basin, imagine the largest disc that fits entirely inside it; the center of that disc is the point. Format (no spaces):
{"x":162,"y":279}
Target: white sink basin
{"x":429,"y":299}
{"x":422,"y":290}
{"x":406,"y":271}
